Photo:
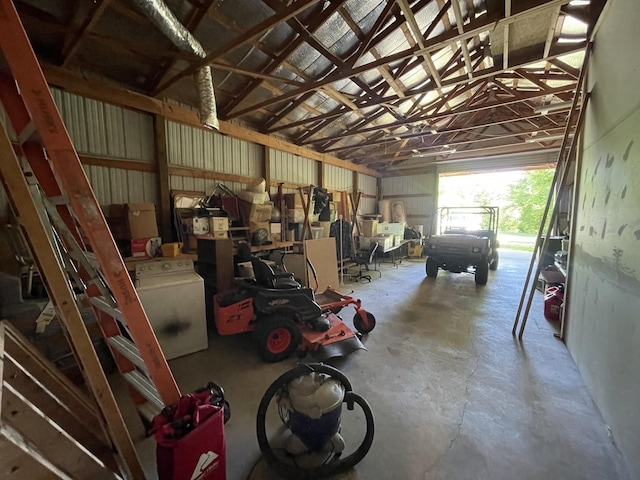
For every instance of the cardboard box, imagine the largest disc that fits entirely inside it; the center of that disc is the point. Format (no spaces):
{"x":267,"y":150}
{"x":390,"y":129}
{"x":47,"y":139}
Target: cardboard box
{"x":369,"y":228}
{"x":253,"y":197}
{"x":384,"y":243}
{"x":141,"y":220}
{"x":387,"y":228}
{"x":275,"y":228}
{"x":218,"y":224}
{"x":292,"y":200}
{"x":196,"y":225}
{"x":171,"y":249}
{"x":115,"y":216}
{"x":295,"y":215}
{"x":148,"y":247}
{"x":253,"y":212}
{"x":220,"y":234}
{"x":192,"y":240}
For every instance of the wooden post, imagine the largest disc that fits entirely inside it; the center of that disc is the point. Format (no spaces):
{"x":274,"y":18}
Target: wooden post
{"x":164,"y":182}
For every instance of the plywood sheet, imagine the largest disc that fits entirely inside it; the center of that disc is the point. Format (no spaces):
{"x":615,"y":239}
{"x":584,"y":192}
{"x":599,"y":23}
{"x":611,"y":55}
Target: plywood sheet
{"x":321,"y":253}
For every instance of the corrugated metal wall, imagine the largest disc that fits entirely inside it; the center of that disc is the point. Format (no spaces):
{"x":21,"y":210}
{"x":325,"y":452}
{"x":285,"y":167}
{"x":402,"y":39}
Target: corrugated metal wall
{"x":108,"y":131}
{"x":289,"y":168}
{"x":419,"y":193}
{"x":337,"y":178}
{"x":206,"y":150}
{"x":117,"y":185}
{"x":104,"y":130}
{"x":196,"y":148}
{"x":368,"y":185}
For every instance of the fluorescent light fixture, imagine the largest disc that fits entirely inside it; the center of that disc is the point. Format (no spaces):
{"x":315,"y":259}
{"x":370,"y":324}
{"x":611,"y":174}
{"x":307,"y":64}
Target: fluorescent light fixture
{"x":434,"y":153}
{"x":570,"y":40}
{"x":544,"y":139}
{"x":579,"y":3}
{"x":552,"y":107}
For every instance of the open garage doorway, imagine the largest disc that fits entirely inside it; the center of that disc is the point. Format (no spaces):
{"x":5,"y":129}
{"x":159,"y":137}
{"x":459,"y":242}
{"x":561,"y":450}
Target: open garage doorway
{"x":521,"y":196}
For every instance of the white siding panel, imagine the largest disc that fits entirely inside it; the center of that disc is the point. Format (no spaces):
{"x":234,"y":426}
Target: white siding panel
{"x":101,"y":129}
{"x":290,"y":168}
{"x":116,"y":185}
{"x":338,"y":178}
{"x":138,"y":136}
{"x":114,"y":124}
{"x":186,"y":146}
{"x":197,"y":148}
{"x":96,"y":127}
{"x":174,"y":143}
{"x":177,"y":182}
{"x":417,"y":192}
{"x":368,"y":205}
{"x":367,"y":184}
{"x":119,"y":185}
{"x":409,"y":184}
{"x":72,"y":110}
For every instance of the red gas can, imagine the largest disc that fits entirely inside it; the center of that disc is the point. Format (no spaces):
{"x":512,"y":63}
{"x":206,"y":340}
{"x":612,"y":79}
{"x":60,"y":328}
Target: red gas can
{"x":190,"y":438}
{"x":553,"y":298}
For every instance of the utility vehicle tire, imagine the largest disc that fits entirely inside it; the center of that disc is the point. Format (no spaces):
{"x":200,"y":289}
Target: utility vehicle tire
{"x":432,"y":267}
{"x":494,"y":264}
{"x":482,"y":273}
{"x":360,"y":324}
{"x":277,"y":338}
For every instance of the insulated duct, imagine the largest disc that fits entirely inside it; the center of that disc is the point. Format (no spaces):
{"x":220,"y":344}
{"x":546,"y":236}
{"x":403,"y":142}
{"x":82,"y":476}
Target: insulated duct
{"x":166,"y":21}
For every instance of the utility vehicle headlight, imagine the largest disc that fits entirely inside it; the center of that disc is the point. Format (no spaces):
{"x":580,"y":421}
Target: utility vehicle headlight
{"x":476,"y":250}
{"x":432,"y":246}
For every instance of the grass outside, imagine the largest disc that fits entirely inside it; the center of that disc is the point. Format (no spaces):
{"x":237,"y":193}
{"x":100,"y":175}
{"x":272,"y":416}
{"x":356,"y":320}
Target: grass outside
{"x":517,"y":241}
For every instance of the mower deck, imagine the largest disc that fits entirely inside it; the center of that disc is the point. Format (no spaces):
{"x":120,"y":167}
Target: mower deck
{"x":338,"y":340}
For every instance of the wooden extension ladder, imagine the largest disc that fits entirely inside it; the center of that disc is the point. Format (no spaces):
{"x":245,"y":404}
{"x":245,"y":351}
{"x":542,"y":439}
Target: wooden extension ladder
{"x":572,"y":131}
{"x":71,"y":242}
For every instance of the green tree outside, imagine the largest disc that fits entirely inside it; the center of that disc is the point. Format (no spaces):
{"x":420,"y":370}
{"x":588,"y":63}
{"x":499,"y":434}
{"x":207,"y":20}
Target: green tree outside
{"x":526,"y":201}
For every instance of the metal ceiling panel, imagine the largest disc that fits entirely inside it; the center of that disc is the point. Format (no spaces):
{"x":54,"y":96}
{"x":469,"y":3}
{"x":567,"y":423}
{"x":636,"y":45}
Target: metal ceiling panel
{"x":122,"y":45}
{"x":333,"y":30}
{"x":547,"y":158}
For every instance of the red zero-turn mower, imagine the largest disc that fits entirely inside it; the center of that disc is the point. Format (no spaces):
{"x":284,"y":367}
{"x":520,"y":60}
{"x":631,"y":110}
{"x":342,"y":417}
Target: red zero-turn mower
{"x":285,"y":317}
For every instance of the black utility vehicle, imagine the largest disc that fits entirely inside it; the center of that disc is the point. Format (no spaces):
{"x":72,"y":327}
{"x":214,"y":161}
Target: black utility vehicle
{"x":467,"y":237}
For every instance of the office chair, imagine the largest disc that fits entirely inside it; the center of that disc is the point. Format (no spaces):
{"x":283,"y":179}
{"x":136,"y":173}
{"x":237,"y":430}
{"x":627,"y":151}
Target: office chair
{"x":363,"y":258}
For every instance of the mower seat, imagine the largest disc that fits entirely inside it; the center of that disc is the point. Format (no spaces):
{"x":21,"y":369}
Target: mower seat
{"x":267,"y":278}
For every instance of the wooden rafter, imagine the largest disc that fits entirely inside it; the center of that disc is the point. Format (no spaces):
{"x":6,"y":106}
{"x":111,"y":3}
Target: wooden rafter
{"x":73,"y":41}
{"x":317,"y":21}
{"x":427,"y":118}
{"x":281,"y":16}
{"x":434,"y":44}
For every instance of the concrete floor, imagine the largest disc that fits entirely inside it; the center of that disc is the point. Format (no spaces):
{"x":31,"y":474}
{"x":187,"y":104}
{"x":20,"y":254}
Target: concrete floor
{"x":455,"y":396}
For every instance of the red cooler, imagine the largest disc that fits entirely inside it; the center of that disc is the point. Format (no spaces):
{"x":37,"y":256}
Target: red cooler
{"x":553,"y":298}
{"x":190,"y":439}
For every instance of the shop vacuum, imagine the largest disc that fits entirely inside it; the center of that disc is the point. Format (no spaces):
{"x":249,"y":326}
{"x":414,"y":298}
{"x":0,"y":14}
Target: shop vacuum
{"x":309,"y":400}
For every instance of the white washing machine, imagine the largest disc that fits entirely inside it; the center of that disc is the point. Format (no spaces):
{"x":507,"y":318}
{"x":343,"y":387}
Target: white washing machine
{"x":172,"y":295}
